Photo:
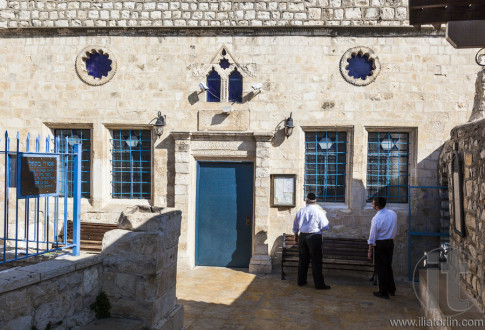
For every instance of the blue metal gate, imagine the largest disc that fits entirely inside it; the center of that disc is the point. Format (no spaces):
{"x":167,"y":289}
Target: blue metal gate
{"x":428,"y":221}
{"x":31,"y":224}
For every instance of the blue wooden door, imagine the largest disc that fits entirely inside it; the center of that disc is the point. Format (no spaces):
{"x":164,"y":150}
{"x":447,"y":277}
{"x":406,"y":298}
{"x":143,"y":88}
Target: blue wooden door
{"x":224,"y":214}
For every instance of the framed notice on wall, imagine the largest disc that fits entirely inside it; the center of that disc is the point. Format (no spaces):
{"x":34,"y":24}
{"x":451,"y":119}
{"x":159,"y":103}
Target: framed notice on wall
{"x":37,"y":175}
{"x":283,"y":190}
{"x":457,"y":184}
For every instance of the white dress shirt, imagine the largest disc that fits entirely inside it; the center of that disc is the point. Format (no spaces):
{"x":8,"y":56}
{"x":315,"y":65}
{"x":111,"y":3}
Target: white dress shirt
{"x":383,"y":226}
{"x":310,"y":219}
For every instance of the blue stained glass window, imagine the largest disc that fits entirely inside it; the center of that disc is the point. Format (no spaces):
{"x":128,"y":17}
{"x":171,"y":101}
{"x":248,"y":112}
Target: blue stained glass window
{"x":224,"y":63}
{"x":325,"y":165}
{"x":387,"y":166}
{"x":98,"y":65}
{"x":75,"y":136}
{"x":131,"y":164}
{"x":360,"y":66}
{"x":214,"y":84}
{"x":235,"y":87}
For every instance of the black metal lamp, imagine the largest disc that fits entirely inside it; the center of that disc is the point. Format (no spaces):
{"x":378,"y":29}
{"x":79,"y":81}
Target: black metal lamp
{"x":159,"y":124}
{"x":289,"y":126}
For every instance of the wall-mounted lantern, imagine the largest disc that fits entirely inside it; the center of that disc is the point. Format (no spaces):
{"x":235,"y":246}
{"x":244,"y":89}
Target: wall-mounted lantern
{"x":289,"y":126}
{"x":159,"y":124}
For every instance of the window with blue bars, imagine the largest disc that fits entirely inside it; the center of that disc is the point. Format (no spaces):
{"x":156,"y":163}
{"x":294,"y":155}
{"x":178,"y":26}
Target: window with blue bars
{"x":325,"y":165}
{"x":131,"y":164}
{"x":75,"y":136}
{"x":388,"y":166}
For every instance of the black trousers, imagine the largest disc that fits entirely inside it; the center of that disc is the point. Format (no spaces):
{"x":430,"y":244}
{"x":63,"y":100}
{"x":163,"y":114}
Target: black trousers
{"x":310,"y":248}
{"x":383,"y":264}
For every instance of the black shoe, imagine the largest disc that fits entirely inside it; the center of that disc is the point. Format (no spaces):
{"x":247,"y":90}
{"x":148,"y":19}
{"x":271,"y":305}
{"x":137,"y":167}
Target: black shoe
{"x":302,"y":284}
{"x":380,"y":295}
{"x":325,"y":287}
{"x":393,"y":293}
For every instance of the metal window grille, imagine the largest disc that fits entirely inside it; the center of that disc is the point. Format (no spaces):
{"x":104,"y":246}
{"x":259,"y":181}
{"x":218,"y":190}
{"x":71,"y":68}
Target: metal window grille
{"x":131,"y":164}
{"x":325,"y":165}
{"x":387,"y":166}
{"x":64,"y":142}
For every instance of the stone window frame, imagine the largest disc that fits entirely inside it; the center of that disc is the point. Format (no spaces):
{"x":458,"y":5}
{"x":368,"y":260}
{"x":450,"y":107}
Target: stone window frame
{"x":412,"y":157}
{"x":357,"y":81}
{"x":81,"y":66}
{"x":111,"y":149}
{"x":52,"y":126}
{"x":224,"y":73}
{"x":106,"y":194}
{"x":349,"y":130}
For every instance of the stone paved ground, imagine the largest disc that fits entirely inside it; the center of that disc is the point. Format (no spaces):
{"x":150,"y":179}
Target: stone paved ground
{"x":222,"y":298}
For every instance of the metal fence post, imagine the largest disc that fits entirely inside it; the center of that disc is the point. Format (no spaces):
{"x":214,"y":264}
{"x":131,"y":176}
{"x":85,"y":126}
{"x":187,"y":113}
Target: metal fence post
{"x":76,"y":221}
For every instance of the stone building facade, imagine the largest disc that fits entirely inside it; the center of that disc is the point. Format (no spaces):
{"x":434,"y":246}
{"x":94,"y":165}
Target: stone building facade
{"x":418,"y":89}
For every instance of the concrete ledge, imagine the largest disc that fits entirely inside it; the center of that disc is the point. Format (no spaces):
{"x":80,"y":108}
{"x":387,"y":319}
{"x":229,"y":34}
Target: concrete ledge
{"x":21,"y":277}
{"x":13,"y":279}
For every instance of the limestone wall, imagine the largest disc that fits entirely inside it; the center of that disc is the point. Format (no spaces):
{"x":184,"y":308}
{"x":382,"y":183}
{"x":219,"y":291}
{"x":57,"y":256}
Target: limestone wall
{"x":425,"y":87}
{"x":56,"y":292}
{"x":140,"y":267}
{"x":209,"y":13}
{"x":470,"y":142}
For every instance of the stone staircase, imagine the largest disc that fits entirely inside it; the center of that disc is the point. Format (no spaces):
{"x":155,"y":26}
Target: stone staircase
{"x":91,"y":235}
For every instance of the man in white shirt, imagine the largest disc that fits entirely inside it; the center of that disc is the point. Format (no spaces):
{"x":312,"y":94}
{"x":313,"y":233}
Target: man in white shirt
{"x":309,"y":223}
{"x":381,"y":240}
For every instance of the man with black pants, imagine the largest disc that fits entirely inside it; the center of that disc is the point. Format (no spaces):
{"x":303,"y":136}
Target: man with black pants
{"x":381,"y":240}
{"x":309,"y":222}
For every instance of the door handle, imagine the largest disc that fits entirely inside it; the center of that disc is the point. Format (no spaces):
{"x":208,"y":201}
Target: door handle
{"x":248,"y":221}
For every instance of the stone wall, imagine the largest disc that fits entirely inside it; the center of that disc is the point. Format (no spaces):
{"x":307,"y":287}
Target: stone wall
{"x":468,"y":141}
{"x":56,"y":292}
{"x":209,"y":13}
{"x":425,"y":87}
{"x":140,"y":267}
{"x":137,"y":270}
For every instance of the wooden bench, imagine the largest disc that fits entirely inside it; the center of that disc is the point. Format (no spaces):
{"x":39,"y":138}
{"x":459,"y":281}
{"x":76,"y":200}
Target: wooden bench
{"x":91,"y":235}
{"x":338,"y":253}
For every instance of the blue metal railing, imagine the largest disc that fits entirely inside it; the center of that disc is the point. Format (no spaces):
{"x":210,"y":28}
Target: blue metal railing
{"x":131,"y":164}
{"x":33,"y":236}
{"x":325,"y":165}
{"x":387,"y":166}
{"x":425,"y":231}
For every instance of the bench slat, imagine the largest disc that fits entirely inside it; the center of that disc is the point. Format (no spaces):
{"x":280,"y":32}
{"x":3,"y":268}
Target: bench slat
{"x":338,"y":253}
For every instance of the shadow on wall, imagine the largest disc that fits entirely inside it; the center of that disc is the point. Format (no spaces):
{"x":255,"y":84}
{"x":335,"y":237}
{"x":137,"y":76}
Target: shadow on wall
{"x":140,"y":265}
{"x":425,"y":215}
{"x":168,"y":144}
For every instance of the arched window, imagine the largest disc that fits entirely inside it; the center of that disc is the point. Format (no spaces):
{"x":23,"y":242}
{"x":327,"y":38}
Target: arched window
{"x":214,"y":84}
{"x":235,"y":87}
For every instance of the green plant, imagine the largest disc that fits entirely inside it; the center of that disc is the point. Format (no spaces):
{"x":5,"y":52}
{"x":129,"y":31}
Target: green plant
{"x":101,"y":306}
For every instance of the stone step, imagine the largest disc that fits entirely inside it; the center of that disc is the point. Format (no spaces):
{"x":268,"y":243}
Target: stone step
{"x":113,"y":323}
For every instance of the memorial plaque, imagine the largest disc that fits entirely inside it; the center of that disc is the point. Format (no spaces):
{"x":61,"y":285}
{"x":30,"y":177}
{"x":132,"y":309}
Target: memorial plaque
{"x":37,"y":175}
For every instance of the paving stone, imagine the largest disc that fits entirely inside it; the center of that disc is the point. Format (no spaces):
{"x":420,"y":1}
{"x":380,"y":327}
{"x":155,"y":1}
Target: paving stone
{"x":223,"y":298}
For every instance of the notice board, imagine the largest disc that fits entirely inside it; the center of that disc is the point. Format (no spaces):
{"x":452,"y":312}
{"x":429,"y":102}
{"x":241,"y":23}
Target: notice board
{"x":37,"y":175}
